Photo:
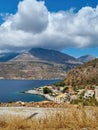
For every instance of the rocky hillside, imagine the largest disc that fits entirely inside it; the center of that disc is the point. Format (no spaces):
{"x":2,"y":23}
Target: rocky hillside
{"x":32,"y":70}
{"x":86,"y":74}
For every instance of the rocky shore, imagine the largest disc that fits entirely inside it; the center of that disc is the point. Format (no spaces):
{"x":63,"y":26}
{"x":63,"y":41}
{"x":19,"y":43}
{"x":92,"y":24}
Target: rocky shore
{"x":47,"y":96}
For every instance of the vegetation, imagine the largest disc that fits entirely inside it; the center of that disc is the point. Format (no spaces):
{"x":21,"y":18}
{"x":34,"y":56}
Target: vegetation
{"x":85,"y":102}
{"x":90,"y":101}
{"x":46,"y":90}
{"x":58,"y":84}
{"x":72,"y":119}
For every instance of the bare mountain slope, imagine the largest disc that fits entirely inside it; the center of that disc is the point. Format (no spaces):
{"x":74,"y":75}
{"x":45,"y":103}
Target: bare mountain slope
{"x":86,"y":74}
{"x":32,"y":70}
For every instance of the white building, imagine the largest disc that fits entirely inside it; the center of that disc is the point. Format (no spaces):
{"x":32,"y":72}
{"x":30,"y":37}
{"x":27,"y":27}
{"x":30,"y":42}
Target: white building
{"x":96,"y":93}
{"x":89,"y":93}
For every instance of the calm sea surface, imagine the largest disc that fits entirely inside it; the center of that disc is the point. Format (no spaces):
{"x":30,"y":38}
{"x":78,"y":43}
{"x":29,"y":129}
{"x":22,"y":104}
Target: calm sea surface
{"x":10,"y":90}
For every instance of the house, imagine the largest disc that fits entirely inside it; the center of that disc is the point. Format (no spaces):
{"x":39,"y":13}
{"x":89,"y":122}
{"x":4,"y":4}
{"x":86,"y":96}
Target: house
{"x":63,"y":98}
{"x":89,"y":93}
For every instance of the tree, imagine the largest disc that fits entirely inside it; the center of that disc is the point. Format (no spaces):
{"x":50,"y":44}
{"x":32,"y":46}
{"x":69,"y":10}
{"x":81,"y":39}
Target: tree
{"x":46,"y":90}
{"x":65,"y":89}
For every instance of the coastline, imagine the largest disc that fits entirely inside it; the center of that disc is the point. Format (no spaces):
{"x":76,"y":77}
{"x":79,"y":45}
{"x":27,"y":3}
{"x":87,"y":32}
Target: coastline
{"x":46,"y":96}
{"x":60,"y":79}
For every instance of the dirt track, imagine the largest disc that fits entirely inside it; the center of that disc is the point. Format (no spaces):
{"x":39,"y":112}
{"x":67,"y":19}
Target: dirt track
{"x":26,"y":112}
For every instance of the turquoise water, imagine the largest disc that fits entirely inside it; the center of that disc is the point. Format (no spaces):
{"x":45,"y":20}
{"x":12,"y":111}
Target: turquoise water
{"x":10,"y":90}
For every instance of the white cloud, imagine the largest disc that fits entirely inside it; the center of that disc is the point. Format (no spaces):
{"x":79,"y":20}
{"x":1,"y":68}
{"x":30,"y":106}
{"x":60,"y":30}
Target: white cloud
{"x":32,"y":16}
{"x":34,"y":26}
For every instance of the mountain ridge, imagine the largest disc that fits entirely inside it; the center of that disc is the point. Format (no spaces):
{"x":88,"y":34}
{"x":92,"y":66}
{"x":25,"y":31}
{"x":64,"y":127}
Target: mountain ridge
{"x":52,"y":56}
{"x":4,"y":57}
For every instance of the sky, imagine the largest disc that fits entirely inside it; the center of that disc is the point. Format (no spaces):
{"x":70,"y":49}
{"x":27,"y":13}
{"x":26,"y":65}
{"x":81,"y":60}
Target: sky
{"x":70,"y":26}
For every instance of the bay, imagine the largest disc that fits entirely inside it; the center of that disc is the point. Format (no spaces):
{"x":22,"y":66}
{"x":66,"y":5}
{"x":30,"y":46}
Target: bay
{"x":11,"y":90}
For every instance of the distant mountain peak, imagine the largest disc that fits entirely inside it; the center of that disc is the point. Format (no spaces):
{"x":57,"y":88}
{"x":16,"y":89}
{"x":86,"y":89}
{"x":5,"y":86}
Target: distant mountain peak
{"x":86,"y":58}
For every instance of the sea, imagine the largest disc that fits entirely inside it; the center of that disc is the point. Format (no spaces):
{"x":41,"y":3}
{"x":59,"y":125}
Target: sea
{"x":12,"y":90}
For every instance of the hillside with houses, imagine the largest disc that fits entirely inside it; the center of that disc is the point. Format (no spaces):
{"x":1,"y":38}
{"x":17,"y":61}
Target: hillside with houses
{"x":67,"y":94}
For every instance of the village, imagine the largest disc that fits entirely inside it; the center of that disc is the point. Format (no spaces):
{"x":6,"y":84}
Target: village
{"x":66,"y":94}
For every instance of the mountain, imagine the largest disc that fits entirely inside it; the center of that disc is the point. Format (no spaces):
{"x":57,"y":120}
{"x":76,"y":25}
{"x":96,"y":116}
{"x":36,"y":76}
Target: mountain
{"x":86,"y":58}
{"x":38,"y":63}
{"x":4,"y":57}
{"x":53,"y":56}
{"x":86,"y":74}
{"x":40,"y":54}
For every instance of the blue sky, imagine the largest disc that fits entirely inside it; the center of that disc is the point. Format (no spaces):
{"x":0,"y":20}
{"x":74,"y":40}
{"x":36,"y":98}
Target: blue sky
{"x":67,"y":4}
{"x":10,"y":7}
{"x":53,"y":5}
{"x":76,"y":52}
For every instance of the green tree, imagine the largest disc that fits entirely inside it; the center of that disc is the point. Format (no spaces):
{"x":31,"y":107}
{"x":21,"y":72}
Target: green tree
{"x":46,"y":90}
{"x":65,"y":89}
